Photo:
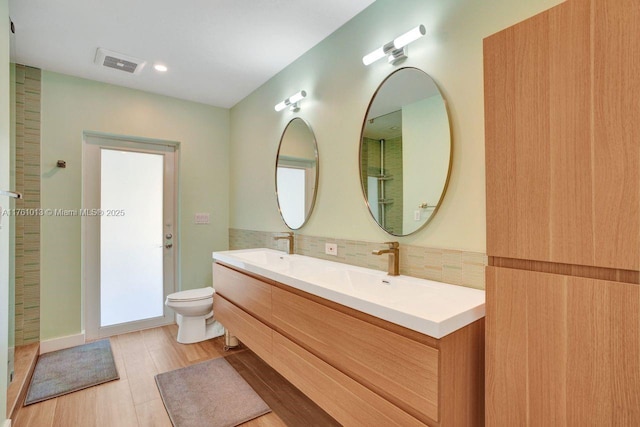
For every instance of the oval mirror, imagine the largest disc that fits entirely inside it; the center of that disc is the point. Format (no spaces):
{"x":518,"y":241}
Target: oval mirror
{"x":405,"y":152}
{"x":296,"y":173}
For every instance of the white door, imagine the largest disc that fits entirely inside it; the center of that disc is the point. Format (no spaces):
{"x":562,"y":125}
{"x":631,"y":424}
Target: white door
{"x":129,"y":237}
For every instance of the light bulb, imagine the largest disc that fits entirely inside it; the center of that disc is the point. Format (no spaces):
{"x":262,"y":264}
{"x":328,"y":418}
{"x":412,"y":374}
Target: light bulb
{"x":373,"y":56}
{"x":281,"y":106}
{"x":409,"y":36}
{"x":160,"y":67}
{"x":297,"y":97}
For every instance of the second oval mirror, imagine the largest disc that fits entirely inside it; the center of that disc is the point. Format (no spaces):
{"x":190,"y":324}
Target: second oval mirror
{"x":405,"y":152}
{"x":296,"y":173}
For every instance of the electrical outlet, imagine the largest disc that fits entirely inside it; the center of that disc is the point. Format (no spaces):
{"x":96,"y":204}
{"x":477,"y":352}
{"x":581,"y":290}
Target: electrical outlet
{"x":416,"y":215}
{"x":331,"y":249}
{"x":201,"y":218}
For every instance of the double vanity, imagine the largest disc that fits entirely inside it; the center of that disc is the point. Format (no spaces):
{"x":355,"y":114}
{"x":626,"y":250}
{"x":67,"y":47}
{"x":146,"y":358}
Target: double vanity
{"x":369,"y":348}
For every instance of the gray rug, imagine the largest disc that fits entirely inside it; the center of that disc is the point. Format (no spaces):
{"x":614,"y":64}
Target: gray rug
{"x":72,"y":369}
{"x":209,"y":394}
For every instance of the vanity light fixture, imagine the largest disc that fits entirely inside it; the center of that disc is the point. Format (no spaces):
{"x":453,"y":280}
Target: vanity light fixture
{"x":395,"y":50}
{"x":292,"y":102}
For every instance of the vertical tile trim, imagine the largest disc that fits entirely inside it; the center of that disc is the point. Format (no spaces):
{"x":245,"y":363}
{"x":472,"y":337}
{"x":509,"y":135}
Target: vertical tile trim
{"x":27,"y":233}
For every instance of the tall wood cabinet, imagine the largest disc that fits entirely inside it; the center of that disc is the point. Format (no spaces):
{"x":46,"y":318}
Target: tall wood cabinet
{"x":562,"y":123}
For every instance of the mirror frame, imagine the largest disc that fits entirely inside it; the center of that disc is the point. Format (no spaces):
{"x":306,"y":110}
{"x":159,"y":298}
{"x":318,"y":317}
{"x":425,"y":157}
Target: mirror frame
{"x":317,"y":177}
{"x":449,"y":167}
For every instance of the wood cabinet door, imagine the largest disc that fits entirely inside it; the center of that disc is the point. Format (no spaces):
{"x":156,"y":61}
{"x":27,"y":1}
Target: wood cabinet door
{"x":561,"y":350}
{"x":562,"y":131}
{"x":249,"y":293}
{"x":403,"y":371}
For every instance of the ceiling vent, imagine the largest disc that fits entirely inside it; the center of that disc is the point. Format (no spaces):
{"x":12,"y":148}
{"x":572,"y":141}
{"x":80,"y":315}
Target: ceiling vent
{"x":119,"y":61}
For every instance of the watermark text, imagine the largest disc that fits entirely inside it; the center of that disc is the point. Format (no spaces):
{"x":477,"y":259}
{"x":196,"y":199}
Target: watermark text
{"x":62,"y":212}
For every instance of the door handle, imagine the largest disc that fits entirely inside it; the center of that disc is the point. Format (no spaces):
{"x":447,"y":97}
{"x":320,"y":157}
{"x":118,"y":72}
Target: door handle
{"x":168,"y":245}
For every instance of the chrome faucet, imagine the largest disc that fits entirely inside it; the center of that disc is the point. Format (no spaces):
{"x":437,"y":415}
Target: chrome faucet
{"x":394,"y":257}
{"x":288,"y":237}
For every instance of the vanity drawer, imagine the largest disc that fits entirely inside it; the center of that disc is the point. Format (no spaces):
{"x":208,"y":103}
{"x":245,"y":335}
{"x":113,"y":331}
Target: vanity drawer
{"x":349,"y":402}
{"x":244,"y":291}
{"x":253,"y":333}
{"x":401,"y":370}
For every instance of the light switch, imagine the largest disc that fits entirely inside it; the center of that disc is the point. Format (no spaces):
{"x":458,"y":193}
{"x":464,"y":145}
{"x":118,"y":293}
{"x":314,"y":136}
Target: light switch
{"x":201,"y":218}
{"x":416,"y":215}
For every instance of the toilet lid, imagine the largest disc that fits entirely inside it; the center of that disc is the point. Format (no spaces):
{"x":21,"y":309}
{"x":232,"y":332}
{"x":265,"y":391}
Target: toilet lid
{"x":191,"y":294}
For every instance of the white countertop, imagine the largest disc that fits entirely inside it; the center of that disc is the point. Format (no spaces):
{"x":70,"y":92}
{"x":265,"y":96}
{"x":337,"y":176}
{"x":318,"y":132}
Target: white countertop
{"x":432,"y":308}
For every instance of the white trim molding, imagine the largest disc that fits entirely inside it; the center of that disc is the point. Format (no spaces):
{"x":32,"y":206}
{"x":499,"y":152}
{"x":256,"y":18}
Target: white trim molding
{"x":7,"y":423}
{"x":54,"y":344}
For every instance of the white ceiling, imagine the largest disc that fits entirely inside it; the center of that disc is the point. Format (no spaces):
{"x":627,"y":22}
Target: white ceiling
{"x":217,"y":51}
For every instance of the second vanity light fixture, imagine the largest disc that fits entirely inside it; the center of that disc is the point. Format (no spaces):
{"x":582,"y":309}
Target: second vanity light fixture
{"x":292,"y":102}
{"x":395,"y":50}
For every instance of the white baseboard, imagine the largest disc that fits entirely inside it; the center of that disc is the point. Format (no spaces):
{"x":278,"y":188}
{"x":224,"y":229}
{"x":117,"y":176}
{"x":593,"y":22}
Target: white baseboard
{"x":62,"y":342}
{"x":7,"y":423}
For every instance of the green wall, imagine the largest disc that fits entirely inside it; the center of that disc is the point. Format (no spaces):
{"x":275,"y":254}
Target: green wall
{"x":339,"y":89}
{"x":72,"y":105}
{"x":232,"y":177}
{"x":5,"y":181}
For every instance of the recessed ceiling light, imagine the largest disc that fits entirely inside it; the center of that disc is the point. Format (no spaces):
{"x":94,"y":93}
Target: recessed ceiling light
{"x":160,"y":67}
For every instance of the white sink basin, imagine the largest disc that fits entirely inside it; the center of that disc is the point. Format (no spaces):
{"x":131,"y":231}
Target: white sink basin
{"x":277,"y":261}
{"x":426,"y":306}
{"x":269,"y":259}
{"x":374,"y":286}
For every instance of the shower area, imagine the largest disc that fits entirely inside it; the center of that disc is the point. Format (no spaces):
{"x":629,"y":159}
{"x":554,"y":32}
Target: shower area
{"x":381,"y":167}
{"x":24,"y":228}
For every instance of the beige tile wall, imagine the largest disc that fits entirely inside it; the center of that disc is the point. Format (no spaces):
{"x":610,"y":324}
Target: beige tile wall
{"x":444,"y":265}
{"x":27,"y":268}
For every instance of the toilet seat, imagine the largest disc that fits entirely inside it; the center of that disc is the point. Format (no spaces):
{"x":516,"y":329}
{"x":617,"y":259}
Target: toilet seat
{"x":191,"y":295}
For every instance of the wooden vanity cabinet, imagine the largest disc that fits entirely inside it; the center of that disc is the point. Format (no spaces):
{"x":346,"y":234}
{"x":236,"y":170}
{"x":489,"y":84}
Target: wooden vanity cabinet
{"x":360,"y":369}
{"x":401,"y":370}
{"x":255,"y":334}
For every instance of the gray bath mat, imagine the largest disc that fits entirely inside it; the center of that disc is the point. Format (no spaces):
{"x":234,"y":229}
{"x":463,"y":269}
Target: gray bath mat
{"x":209,"y":394}
{"x":72,"y":369}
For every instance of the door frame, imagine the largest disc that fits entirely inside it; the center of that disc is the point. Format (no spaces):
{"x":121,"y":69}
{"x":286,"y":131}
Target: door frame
{"x":92,"y":141}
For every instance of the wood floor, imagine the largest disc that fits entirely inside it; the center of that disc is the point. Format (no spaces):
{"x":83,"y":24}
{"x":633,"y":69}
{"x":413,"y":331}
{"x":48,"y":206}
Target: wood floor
{"x":24,"y":363}
{"x":133,"y":400}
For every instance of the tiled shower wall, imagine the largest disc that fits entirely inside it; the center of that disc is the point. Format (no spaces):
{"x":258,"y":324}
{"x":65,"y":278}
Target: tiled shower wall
{"x":27,"y":233}
{"x":444,"y":265}
{"x":393,"y":168}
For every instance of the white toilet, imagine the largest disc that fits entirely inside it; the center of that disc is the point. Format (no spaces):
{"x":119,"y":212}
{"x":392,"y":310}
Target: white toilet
{"x":194,"y":315}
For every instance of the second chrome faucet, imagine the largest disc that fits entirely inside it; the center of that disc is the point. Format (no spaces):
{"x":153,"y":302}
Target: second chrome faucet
{"x":394,"y":257}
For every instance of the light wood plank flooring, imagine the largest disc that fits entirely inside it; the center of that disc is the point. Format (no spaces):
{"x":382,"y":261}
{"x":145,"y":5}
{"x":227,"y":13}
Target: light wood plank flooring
{"x":24,"y":363}
{"x":133,"y":400}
